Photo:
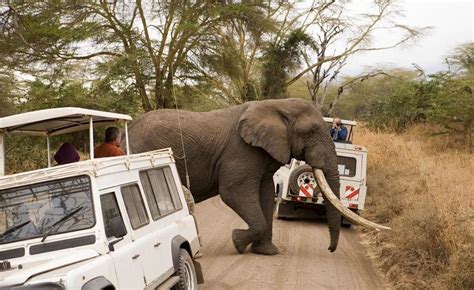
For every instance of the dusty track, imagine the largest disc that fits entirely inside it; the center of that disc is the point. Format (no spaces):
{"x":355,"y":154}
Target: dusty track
{"x":304,"y":261}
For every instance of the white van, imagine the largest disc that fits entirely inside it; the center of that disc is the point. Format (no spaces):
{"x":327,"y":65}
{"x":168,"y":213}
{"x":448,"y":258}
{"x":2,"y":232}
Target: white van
{"x":109,"y":223}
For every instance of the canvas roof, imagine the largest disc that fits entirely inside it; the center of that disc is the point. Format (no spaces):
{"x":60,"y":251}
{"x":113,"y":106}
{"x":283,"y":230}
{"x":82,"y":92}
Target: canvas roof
{"x":57,"y":121}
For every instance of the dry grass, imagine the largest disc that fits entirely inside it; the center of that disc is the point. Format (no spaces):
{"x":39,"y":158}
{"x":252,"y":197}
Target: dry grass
{"x":423,"y":188}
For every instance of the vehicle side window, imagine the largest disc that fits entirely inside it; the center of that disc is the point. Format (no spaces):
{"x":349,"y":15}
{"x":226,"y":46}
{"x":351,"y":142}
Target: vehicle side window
{"x":160,"y":190}
{"x":150,"y":196}
{"x":110,"y":210}
{"x":135,"y":206}
{"x":346,"y":166}
{"x":172,"y":187}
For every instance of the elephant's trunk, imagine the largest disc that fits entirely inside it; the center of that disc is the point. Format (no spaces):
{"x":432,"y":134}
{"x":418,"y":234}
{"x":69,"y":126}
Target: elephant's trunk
{"x":333,"y":215}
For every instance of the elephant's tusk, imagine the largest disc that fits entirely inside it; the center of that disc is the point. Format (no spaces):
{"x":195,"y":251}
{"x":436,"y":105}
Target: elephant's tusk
{"x":332,"y":198}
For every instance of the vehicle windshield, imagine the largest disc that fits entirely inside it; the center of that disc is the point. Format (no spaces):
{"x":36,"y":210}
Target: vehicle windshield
{"x":31,"y":211}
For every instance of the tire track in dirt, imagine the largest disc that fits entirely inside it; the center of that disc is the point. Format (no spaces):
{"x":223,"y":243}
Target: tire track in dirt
{"x":304,"y":261}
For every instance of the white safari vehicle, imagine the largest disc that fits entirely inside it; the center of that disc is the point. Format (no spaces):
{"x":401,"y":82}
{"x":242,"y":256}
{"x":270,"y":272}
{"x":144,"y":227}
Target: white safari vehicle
{"x":296,"y":190}
{"x":108,"y":223}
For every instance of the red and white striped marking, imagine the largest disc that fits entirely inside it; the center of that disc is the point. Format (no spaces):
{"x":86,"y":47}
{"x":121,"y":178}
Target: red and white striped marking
{"x":306,"y":190}
{"x":351,"y":192}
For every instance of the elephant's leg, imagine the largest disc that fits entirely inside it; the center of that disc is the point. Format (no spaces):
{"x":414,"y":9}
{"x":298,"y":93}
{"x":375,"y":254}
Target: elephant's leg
{"x":267,"y":192}
{"x":243,"y":197}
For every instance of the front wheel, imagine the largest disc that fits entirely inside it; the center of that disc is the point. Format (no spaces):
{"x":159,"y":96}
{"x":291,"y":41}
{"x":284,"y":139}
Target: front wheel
{"x":186,"y":272}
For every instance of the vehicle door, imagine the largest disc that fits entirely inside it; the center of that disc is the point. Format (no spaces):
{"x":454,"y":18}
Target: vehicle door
{"x":163,"y":201}
{"x":350,"y":171}
{"x":143,"y":233}
{"x":125,"y":256}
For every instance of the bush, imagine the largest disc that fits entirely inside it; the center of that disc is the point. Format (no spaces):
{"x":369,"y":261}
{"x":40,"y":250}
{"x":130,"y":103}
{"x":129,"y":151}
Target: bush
{"x":444,"y":99}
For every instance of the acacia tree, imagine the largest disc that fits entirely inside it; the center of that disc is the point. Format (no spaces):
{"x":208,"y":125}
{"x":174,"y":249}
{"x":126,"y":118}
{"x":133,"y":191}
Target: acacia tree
{"x":144,"y":44}
{"x":338,"y":35}
{"x":237,"y":50}
{"x":229,"y":63}
{"x":324,"y":34}
{"x":462,"y":58}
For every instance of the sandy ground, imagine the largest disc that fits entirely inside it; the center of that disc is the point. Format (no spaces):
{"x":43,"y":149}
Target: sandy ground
{"x":304,"y":261}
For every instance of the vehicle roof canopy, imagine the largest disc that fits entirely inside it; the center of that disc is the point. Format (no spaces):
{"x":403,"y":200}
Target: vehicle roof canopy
{"x":50,"y":122}
{"x":344,"y":122}
{"x":56,"y":121}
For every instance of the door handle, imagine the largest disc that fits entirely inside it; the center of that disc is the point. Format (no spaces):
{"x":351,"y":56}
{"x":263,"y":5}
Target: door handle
{"x":136,"y":256}
{"x":156,"y":245}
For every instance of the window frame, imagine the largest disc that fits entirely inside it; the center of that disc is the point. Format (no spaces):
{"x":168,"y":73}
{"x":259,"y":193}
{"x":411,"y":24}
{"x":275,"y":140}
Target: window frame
{"x":169,"y":183}
{"x":345,"y":164}
{"x":145,"y":207}
{"x":114,"y":195}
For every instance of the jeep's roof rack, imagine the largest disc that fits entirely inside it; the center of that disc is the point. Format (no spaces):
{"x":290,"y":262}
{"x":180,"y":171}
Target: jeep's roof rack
{"x":343,"y":121}
{"x":57,"y":121}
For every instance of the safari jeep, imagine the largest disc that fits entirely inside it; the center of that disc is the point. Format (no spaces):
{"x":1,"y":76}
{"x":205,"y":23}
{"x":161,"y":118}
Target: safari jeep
{"x":297,"y":193}
{"x":109,"y":223}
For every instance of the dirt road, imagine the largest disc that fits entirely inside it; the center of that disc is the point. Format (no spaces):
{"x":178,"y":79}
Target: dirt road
{"x":304,"y":261}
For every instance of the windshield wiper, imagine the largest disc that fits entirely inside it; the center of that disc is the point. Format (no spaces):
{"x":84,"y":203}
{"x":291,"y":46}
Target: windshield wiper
{"x":12,"y":229}
{"x":63,"y":219}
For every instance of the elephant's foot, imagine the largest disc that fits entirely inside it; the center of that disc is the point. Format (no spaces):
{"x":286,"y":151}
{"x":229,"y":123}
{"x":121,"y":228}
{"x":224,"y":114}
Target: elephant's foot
{"x":241,"y":240}
{"x":264,"y":248}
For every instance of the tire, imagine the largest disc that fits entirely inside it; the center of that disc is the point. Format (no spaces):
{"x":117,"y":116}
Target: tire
{"x":300,"y":175}
{"x":186,"y":272}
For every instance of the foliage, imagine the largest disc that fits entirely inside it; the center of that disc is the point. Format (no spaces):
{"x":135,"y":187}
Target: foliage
{"x":228,"y":64}
{"x":357,"y":100}
{"x":440,"y":98}
{"x":236,"y":50}
{"x":338,"y":35}
{"x":7,"y":84}
{"x":140,"y":47}
{"x":453,"y":106}
{"x":280,"y":60}
{"x":463,"y":57}
{"x":406,"y":106}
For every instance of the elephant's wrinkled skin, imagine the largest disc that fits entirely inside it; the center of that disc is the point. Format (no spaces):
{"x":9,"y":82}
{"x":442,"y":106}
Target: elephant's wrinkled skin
{"x":235,"y":151}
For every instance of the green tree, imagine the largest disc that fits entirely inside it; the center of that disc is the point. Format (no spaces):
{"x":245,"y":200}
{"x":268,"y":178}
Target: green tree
{"x":281,"y":59}
{"x":463,"y":57}
{"x":145,"y":44}
{"x":453,"y":106}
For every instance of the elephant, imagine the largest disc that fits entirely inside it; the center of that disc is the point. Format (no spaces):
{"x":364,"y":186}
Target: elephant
{"x":235,"y":151}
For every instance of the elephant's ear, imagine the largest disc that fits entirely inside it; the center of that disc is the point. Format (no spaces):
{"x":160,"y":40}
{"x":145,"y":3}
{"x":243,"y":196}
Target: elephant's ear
{"x":262,"y":125}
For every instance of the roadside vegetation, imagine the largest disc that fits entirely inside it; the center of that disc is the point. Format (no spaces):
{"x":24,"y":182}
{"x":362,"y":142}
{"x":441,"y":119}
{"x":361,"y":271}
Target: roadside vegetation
{"x":421,"y":187}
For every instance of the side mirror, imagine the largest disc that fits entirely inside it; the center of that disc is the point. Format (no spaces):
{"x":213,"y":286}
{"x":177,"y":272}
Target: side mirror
{"x":118,"y":227}
{"x":119,"y":231}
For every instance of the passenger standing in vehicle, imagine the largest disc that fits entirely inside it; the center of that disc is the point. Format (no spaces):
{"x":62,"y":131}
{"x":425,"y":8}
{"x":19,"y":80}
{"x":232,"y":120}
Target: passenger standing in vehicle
{"x":338,"y":132}
{"x":111,"y":145}
{"x":66,"y":154}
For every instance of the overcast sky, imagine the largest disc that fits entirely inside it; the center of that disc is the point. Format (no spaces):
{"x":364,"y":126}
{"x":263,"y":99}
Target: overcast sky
{"x":452,"y":24}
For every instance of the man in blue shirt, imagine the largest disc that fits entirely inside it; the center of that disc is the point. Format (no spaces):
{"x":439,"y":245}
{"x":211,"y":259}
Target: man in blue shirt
{"x":338,"y":132}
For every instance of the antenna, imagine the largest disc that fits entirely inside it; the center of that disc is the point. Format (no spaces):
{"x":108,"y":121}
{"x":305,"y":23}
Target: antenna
{"x":188,"y":183}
